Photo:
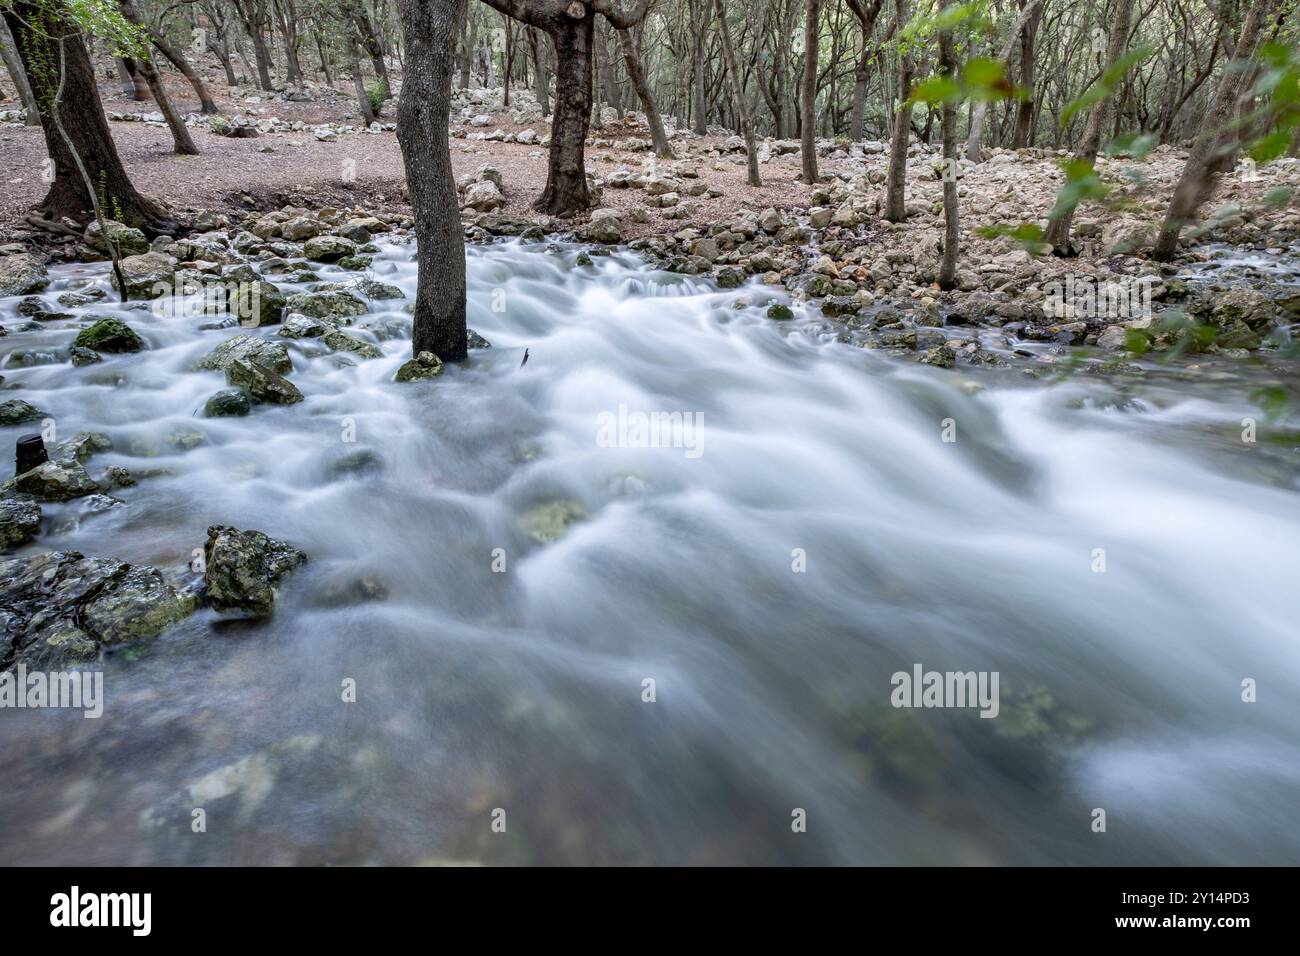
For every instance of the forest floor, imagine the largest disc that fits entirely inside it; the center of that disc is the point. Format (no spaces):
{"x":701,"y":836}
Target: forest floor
{"x":232,"y":175}
{"x":360,"y":168}
{"x":696,"y":214}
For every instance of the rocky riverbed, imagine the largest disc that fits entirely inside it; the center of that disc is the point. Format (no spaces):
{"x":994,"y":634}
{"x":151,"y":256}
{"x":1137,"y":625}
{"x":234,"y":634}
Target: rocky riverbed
{"x":267,"y":505}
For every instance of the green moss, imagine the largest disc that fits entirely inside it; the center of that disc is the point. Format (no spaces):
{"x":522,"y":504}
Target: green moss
{"x":109,"y":335}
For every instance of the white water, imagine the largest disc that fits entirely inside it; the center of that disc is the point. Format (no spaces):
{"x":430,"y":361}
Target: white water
{"x":523,"y":690}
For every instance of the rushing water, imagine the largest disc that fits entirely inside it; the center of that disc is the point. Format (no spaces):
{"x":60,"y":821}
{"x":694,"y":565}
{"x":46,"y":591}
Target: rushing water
{"x":523,"y":690}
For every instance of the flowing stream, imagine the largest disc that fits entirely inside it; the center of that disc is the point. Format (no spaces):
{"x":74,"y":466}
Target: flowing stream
{"x":523,"y":689}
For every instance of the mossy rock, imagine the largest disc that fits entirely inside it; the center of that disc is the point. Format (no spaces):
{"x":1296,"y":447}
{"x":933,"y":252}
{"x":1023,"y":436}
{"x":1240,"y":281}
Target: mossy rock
{"x":424,"y":366}
{"x":552,"y":521}
{"x":109,"y":335}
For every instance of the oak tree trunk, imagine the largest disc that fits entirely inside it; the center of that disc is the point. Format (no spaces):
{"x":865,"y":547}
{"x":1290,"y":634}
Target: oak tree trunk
{"x":808,"y":93}
{"x":566,"y":172}
{"x":1216,"y":141}
{"x":632,"y":62}
{"x":182,"y":141}
{"x":737,"y":93}
{"x":429,"y":29}
{"x":14,"y":67}
{"x":895,"y":210}
{"x":948,"y":122}
{"x":207,"y":105}
{"x":82,"y":115}
{"x":1058,"y":231}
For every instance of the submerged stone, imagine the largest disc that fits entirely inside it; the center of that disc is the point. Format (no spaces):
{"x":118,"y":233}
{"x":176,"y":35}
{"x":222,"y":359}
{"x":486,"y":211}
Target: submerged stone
{"x":262,"y":384}
{"x":424,"y":366}
{"x":109,"y":335}
{"x":342,"y":342}
{"x":17,"y":412}
{"x":242,"y":568}
{"x":55,"y":481}
{"x":20,"y":519}
{"x":327,"y":305}
{"x":61,"y":607}
{"x":303,"y":327}
{"x":228,"y":403}
{"x":247,"y":348}
{"x":552,"y":521}
{"x":82,"y":356}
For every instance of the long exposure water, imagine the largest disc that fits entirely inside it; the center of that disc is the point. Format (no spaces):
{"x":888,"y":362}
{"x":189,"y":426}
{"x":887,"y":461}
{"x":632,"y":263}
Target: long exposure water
{"x":497,"y":669}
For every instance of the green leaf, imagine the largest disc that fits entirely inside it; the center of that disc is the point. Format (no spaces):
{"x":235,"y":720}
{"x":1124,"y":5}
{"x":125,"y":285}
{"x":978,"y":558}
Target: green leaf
{"x":1137,"y":341}
{"x":982,"y":71}
{"x":937,"y":89}
{"x":1081,"y":183}
{"x":1134,"y":145}
{"x":1106,"y":83}
{"x":1270,"y":147}
{"x":1029,"y":236}
{"x":1273,"y":399}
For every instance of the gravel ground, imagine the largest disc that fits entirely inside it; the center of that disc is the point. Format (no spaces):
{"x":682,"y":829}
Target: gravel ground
{"x":233,"y":174}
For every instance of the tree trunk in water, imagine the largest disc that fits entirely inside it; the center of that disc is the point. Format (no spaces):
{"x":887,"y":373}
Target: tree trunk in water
{"x":429,"y":31}
{"x":15,"y":67}
{"x":83,"y":119}
{"x":948,"y":264}
{"x":808,"y":92}
{"x":566,"y":173}
{"x":737,"y":93}
{"x":1058,"y":231}
{"x":895,"y":210}
{"x":1214,"y":143}
{"x":635,"y":72}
